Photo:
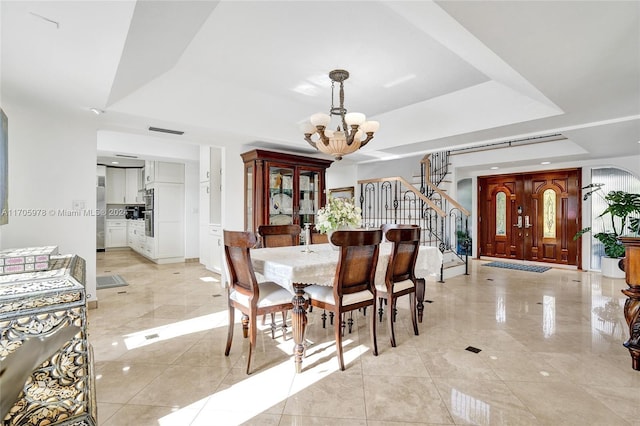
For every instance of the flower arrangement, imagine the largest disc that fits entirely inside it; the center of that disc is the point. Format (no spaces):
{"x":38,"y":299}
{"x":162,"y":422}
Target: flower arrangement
{"x":339,"y":212}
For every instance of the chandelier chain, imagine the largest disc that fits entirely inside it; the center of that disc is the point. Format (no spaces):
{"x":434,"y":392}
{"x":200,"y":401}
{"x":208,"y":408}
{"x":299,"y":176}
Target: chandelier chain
{"x":333,"y":84}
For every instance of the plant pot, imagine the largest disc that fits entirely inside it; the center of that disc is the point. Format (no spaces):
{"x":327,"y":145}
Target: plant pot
{"x":609,"y":267}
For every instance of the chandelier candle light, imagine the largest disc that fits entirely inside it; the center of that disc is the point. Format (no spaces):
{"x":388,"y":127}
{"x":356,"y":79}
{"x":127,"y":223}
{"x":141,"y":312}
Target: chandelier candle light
{"x":343,"y":140}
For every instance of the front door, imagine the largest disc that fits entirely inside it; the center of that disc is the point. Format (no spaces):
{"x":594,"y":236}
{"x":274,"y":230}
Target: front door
{"x":530,"y":216}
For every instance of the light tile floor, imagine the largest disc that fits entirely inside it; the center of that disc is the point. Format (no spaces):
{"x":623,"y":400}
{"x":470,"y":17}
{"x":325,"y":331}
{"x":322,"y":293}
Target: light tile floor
{"x":551,"y":354}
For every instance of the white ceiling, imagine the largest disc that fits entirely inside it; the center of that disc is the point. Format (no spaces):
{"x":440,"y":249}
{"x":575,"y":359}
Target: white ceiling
{"x":436,"y":75}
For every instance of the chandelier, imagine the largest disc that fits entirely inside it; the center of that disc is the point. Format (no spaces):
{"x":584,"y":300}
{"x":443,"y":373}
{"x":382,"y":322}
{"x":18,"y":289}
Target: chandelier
{"x":346,"y":139}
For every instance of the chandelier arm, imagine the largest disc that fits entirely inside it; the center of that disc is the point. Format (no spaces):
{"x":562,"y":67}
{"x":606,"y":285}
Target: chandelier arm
{"x":352,"y":134}
{"x":307,"y":137}
{"x":323,"y":137}
{"x":368,"y":138}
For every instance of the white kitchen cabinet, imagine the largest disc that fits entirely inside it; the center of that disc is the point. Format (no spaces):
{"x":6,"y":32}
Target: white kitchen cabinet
{"x":215,"y":183}
{"x":136,"y":238}
{"x":141,"y":187}
{"x":211,"y":174}
{"x":132,"y":196}
{"x":205,"y":163}
{"x":116,"y":234}
{"x":123,"y":185}
{"x":211,"y":247}
{"x":116,"y":185}
{"x":149,"y":248}
{"x":205,"y":194}
{"x":163,"y":172}
{"x":168,"y":243}
{"x":205,"y":247}
{"x":149,"y":172}
{"x":217,"y":247}
{"x":169,"y":172}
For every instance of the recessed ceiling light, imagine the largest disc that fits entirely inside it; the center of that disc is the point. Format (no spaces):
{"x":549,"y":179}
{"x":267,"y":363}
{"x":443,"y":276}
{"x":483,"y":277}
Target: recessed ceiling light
{"x":546,"y":162}
{"x":495,"y":168}
{"x":96,"y":111}
{"x":115,"y":162}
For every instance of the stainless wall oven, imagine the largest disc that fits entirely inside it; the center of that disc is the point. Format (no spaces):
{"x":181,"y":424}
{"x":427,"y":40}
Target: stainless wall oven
{"x":148,"y":223}
{"x":148,"y":199}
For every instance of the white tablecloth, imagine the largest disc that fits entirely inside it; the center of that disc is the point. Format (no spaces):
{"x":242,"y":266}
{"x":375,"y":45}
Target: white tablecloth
{"x":288,"y":265}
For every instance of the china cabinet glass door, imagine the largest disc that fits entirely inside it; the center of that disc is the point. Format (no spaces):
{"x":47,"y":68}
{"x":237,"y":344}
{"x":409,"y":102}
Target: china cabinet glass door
{"x":308,"y":196}
{"x":281,"y":195}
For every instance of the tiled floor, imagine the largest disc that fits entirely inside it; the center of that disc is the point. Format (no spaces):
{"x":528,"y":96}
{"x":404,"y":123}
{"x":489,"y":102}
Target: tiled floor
{"x":551,"y":354}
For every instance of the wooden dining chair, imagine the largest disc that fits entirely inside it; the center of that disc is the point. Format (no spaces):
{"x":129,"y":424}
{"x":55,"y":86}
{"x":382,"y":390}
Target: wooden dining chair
{"x":354,"y":281}
{"x":317,"y":237}
{"x":400,"y":278}
{"x":247,"y":295}
{"x":279,"y":235}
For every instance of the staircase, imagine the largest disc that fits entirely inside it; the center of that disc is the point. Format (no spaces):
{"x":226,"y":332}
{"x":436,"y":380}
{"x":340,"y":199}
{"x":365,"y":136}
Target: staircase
{"x":444,"y":222}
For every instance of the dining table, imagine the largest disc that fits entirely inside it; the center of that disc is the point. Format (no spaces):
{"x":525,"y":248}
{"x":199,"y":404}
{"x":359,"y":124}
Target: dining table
{"x":296,"y":267}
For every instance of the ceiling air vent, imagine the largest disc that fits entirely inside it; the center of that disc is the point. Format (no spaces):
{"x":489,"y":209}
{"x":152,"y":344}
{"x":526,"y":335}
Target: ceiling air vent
{"x":159,"y":129}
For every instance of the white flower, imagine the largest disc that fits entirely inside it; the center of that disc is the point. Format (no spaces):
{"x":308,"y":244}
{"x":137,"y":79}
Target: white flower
{"x":338,"y":212}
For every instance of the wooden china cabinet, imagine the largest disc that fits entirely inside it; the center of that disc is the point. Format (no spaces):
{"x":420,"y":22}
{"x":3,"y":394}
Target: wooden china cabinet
{"x":282,"y":189}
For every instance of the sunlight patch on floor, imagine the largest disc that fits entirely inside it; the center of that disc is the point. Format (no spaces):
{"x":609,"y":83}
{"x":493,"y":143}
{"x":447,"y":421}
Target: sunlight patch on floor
{"x":176,"y":329}
{"x":230,"y":406}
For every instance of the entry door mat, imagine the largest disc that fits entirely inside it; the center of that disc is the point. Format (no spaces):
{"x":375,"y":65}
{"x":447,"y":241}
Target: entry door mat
{"x":519,"y":267}
{"x":110,"y":281}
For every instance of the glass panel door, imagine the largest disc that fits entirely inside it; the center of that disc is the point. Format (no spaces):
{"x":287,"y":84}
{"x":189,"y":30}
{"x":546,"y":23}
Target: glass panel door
{"x":309,"y":196}
{"x":281,"y":206}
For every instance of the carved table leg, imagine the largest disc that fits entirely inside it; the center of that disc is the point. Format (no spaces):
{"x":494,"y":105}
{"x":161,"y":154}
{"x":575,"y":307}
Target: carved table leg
{"x":631,"y":266}
{"x":420,"y":288}
{"x":632,"y":315}
{"x":299,"y":322}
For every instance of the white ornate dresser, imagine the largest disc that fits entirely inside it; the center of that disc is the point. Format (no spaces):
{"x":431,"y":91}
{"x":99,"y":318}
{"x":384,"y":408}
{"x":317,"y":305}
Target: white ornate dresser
{"x":61,"y":391}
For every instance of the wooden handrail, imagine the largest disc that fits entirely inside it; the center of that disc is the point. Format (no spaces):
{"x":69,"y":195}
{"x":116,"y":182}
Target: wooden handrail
{"x":448,"y":198}
{"x":403,"y":181}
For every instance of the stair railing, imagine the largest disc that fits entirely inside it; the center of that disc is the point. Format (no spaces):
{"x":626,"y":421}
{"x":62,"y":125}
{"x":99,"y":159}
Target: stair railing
{"x":443,"y":221}
{"x":394,"y":200}
{"x":435,"y":168}
{"x":458,"y":236}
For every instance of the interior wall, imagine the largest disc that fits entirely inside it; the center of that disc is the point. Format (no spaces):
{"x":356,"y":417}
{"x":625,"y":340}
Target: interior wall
{"x":191,"y":210}
{"x":342,"y":174}
{"x":52,"y":183}
{"x":232,"y":193}
{"x":406,"y":167}
{"x":148,"y":147}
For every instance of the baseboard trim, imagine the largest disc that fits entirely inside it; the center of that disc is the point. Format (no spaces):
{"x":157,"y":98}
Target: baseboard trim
{"x":92,"y":304}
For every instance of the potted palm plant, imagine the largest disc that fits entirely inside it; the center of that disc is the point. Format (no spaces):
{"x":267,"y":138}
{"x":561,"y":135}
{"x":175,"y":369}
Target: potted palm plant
{"x":619,"y":218}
